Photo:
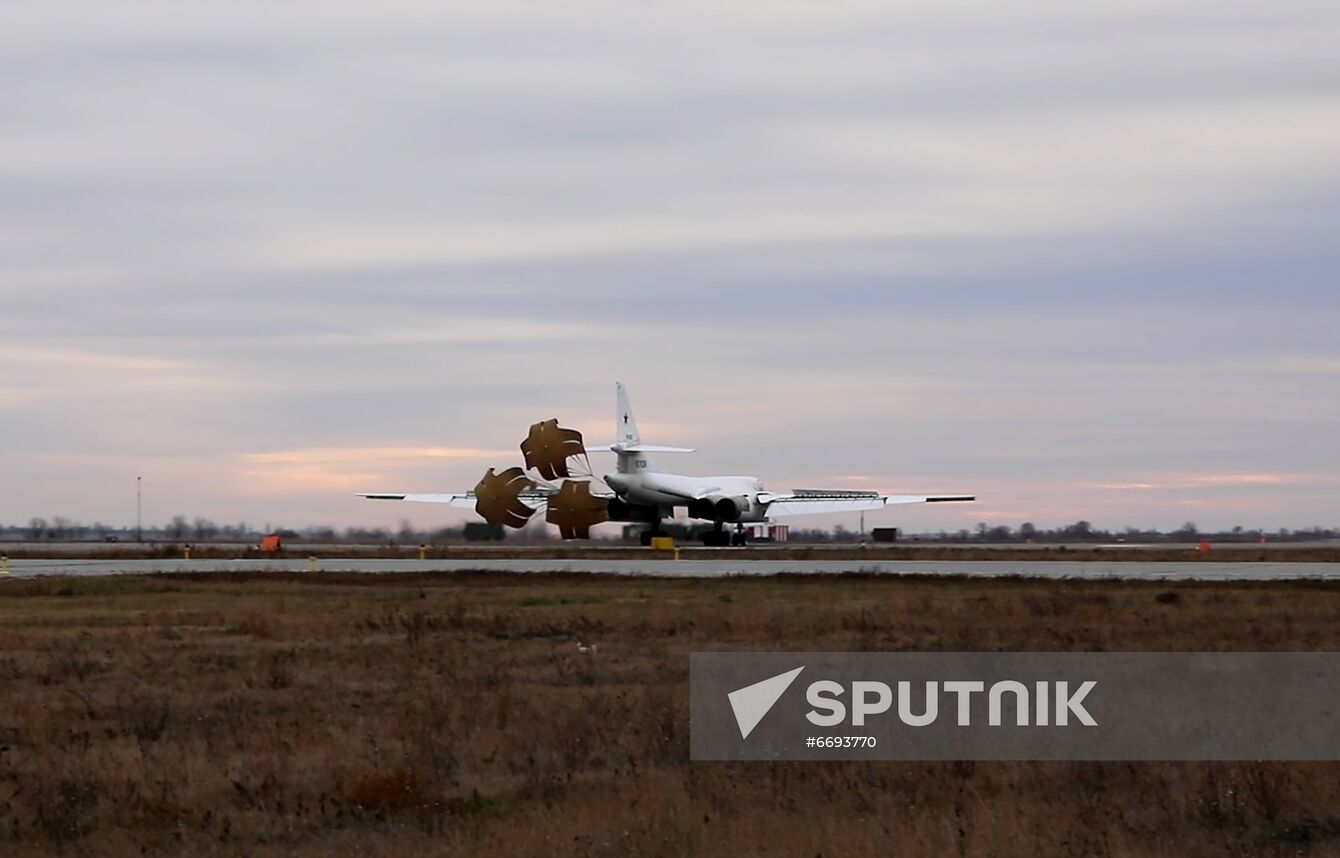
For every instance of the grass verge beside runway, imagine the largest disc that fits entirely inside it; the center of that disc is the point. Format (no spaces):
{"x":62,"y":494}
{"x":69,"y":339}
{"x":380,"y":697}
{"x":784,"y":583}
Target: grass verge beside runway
{"x":403,"y":714}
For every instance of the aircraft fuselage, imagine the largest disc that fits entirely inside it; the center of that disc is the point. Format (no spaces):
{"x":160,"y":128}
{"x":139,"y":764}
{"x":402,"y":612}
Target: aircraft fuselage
{"x":732,"y":498}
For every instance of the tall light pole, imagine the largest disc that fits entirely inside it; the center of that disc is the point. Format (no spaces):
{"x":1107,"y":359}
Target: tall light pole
{"x":139,"y":509}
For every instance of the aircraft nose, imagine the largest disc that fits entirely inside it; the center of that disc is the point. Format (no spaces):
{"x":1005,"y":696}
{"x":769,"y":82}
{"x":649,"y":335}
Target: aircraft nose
{"x":618,"y":482}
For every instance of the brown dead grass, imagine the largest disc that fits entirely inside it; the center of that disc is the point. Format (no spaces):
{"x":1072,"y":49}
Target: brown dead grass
{"x":397,"y":715}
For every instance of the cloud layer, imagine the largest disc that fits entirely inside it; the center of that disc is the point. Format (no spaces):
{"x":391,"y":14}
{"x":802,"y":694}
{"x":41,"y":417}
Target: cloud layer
{"x":1077,"y":258}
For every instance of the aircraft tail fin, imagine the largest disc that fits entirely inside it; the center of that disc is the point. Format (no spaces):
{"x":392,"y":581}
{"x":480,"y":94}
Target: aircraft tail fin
{"x":625,"y":424}
{"x":628,"y":447}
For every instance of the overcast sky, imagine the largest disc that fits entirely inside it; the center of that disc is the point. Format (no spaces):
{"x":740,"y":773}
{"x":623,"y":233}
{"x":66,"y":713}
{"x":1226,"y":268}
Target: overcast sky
{"x":1079,"y":258}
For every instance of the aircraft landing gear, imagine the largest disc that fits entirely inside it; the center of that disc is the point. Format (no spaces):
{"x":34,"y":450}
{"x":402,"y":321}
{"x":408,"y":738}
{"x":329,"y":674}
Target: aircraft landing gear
{"x":718,"y":537}
{"x":650,"y":533}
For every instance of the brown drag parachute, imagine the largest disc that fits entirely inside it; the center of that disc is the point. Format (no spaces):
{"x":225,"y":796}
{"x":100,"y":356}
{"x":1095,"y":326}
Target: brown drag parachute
{"x":549,"y":446}
{"x":574,"y":510}
{"x":498,"y":498}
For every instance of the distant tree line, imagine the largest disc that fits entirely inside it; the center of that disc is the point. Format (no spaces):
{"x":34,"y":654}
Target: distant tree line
{"x":183,"y":529}
{"x":179,"y":528}
{"x":1084,"y":531}
{"x":197,"y":529}
{"x":1080,"y":531}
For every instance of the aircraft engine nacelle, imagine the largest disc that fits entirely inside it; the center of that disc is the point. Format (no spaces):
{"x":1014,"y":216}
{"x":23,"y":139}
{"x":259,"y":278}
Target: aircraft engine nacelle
{"x":704,"y":508}
{"x":731,"y":509}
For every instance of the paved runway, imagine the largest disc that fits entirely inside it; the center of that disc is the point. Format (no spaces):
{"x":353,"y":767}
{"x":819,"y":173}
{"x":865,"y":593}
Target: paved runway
{"x":706,"y":568}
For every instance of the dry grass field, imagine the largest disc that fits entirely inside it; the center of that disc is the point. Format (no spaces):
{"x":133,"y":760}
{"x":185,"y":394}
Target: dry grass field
{"x":453,"y":715}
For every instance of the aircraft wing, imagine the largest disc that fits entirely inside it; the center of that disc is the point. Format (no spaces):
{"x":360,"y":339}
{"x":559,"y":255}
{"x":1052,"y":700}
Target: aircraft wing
{"x":811,"y":501}
{"x":461,"y":500}
{"x":536,"y":498}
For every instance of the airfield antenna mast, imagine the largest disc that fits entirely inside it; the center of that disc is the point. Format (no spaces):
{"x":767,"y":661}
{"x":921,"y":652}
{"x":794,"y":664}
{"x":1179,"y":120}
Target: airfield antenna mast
{"x":139,"y":509}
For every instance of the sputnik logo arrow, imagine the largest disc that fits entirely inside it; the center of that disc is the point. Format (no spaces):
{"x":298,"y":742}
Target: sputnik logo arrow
{"x":752,"y":703}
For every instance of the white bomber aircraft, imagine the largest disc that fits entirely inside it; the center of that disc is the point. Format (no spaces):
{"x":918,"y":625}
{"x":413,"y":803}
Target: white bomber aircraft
{"x":637,"y":491}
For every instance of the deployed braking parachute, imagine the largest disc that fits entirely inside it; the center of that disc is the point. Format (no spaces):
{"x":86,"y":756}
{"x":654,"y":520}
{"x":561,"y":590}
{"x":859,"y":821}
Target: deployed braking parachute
{"x":549,"y":446}
{"x":511,"y":498}
{"x":498,"y":498}
{"x":574,"y":510}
